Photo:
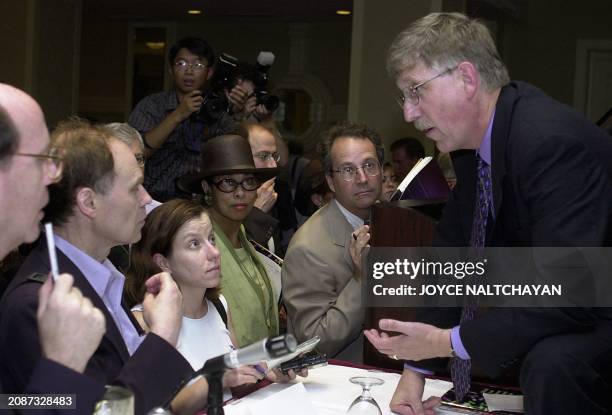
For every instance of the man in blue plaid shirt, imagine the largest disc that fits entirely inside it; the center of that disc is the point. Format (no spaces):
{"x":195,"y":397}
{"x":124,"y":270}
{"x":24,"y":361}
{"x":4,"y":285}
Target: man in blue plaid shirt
{"x":171,"y":124}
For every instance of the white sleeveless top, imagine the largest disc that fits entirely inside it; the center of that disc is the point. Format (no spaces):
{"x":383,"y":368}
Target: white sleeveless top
{"x":202,"y":338}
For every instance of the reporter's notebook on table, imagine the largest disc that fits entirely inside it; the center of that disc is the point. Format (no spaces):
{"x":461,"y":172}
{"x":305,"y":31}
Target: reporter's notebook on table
{"x":483,"y":400}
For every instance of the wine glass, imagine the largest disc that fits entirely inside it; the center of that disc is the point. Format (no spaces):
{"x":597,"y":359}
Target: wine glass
{"x":116,"y":401}
{"x":365,"y":404}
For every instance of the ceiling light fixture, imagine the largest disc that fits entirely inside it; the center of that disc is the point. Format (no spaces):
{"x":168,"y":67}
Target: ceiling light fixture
{"x":194,"y":11}
{"x":343,"y":12}
{"x":155,"y":45}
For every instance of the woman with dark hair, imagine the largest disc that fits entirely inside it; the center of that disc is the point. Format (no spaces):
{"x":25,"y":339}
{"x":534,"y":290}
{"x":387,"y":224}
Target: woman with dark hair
{"x":312,"y":192}
{"x":389,"y":182}
{"x":177,"y":238}
{"x":229,"y":181}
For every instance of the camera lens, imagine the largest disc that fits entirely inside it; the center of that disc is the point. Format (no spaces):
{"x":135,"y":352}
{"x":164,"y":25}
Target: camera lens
{"x":269,"y":101}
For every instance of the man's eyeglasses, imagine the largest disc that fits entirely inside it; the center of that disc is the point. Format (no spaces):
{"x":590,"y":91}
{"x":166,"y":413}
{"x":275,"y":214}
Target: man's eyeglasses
{"x":54,"y":162}
{"x":196,"y":66}
{"x":347,"y":173}
{"x":229,"y":185}
{"x":413,"y":97}
{"x":267,"y":156}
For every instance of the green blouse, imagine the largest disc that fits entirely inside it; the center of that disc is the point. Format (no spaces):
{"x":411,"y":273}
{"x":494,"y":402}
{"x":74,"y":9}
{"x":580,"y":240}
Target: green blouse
{"x":247,"y":288}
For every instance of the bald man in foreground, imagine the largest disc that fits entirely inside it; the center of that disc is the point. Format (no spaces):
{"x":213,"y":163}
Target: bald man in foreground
{"x":70,"y":328}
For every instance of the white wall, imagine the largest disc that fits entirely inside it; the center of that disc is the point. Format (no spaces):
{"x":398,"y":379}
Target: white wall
{"x":372,"y":92}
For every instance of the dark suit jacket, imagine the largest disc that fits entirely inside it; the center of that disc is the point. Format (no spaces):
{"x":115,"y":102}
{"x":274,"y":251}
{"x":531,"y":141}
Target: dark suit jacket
{"x":552,"y":186}
{"x":151,"y":372}
{"x":50,"y":377}
{"x":261,"y":226}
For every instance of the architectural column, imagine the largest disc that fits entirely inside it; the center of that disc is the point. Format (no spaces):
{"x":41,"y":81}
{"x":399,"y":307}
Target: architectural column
{"x":371,"y":91}
{"x":40,"y":41}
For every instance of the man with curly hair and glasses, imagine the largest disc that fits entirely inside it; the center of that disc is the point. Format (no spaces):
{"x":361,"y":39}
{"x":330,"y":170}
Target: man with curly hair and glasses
{"x":321,"y":285}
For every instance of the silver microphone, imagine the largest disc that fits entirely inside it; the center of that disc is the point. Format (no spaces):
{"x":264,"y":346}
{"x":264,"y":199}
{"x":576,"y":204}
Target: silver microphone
{"x":265,"y":349}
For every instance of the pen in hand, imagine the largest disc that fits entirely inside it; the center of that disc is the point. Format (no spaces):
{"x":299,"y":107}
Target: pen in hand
{"x":51,"y":248}
{"x":261,"y":370}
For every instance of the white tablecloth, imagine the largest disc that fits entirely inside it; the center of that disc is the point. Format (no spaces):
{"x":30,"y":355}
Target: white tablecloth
{"x":329,"y":390}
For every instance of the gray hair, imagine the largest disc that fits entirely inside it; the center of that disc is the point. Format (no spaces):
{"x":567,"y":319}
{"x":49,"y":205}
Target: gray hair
{"x":125,"y":133}
{"x":442,"y":41}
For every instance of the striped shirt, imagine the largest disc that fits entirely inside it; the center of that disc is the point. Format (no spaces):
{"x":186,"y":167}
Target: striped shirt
{"x":180,"y":153}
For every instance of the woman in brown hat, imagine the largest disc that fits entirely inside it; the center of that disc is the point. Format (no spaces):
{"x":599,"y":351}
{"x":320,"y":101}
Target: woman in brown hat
{"x":229,"y":181}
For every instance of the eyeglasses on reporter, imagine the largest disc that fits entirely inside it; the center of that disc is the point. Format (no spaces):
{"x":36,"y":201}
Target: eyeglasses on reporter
{"x":229,"y":185}
{"x":369,"y":168}
{"x":182,"y":65}
{"x":268,"y":156}
{"x":54,"y":162}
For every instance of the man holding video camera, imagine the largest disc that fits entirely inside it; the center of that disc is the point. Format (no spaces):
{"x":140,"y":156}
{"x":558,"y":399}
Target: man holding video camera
{"x":175,"y":123}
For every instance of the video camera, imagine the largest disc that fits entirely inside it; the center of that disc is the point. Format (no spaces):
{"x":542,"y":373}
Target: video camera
{"x":228,"y":72}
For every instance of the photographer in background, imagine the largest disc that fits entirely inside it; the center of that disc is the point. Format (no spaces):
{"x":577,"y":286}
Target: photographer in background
{"x":171,"y":123}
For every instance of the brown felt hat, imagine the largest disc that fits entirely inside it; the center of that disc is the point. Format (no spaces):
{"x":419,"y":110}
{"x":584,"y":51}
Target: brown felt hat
{"x":225,"y":154}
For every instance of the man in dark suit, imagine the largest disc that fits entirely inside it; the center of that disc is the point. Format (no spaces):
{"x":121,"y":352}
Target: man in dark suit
{"x":98,"y":203}
{"x":70,"y":328}
{"x":532,"y":172}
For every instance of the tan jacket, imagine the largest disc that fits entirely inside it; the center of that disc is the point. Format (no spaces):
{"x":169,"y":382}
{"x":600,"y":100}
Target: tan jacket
{"x":321,"y":294}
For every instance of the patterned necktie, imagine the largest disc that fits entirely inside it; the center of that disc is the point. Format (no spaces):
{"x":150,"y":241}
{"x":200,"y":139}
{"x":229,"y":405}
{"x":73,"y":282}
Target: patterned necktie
{"x":484,"y":197}
{"x":460,"y":369}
